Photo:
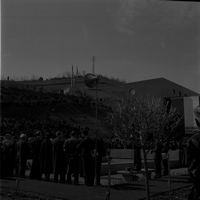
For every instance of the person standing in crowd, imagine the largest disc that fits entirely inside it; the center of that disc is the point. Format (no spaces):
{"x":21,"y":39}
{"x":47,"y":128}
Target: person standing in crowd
{"x":158,"y":159}
{"x":165,"y":158}
{"x":46,"y":157}
{"x":8,"y":156}
{"x":86,"y":147}
{"x":137,"y":155}
{"x":22,"y":155}
{"x":1,"y":159}
{"x":35,"y":146}
{"x":193,"y":159}
{"x":72,"y":157}
{"x":59,"y":158}
{"x":101,"y":152}
{"x":137,"y":160}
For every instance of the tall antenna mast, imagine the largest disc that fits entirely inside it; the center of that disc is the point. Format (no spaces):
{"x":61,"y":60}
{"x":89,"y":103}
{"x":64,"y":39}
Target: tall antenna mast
{"x":93,"y":66}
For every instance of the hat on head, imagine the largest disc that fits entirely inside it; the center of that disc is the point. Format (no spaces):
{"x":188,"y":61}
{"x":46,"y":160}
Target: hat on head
{"x":58,"y":133}
{"x":73,"y":133}
{"x":197,"y":113}
{"x":37,"y":133}
{"x":23,"y":136}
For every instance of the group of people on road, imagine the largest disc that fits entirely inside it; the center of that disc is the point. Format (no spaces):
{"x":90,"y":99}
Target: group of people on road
{"x":81,"y":155}
{"x":76,"y":155}
{"x":88,"y":153}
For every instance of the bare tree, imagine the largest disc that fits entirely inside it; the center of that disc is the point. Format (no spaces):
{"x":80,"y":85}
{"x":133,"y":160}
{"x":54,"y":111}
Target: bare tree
{"x":149,"y":119}
{"x":65,"y":74}
{"x":34,"y":77}
{"x":23,"y":78}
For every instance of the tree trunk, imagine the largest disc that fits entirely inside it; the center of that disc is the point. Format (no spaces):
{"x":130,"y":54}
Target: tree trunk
{"x":146,"y":175}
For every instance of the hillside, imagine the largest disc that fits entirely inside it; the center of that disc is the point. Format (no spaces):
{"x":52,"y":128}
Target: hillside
{"x":41,"y":100}
{"x":107,"y":88}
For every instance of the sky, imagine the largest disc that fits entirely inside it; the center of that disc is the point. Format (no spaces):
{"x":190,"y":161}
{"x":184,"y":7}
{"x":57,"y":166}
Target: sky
{"x":132,"y":40}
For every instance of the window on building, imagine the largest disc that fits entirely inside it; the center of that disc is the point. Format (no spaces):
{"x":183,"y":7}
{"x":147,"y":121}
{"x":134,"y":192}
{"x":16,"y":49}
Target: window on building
{"x":180,"y":94}
{"x":174,"y":92}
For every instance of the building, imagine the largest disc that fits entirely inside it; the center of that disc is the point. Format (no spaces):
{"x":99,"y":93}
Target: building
{"x":183,"y":99}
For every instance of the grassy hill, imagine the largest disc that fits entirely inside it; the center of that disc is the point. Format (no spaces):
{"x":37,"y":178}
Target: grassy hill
{"x":107,"y":88}
{"x":78,"y":109}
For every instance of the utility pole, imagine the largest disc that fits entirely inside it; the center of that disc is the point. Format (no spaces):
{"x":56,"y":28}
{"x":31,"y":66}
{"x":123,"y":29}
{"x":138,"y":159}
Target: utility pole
{"x":93,"y":66}
{"x":72,"y":77}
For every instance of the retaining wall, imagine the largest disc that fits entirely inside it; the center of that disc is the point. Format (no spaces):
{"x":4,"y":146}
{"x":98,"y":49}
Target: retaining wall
{"x":122,"y":158}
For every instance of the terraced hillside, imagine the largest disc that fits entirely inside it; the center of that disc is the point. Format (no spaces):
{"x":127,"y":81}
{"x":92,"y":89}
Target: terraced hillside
{"x":21,"y":101}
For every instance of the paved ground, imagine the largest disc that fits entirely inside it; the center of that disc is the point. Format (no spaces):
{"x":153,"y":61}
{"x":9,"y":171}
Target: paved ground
{"x":119,"y":189}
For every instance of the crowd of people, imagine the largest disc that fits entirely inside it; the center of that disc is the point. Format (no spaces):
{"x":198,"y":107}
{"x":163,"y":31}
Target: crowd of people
{"x":19,"y":97}
{"x":77,"y":154}
{"x":61,"y":156}
{"x":70,"y":151}
{"x":15,"y":127}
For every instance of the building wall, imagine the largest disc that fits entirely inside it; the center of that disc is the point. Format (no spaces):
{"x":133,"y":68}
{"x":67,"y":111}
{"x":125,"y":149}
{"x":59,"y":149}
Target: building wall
{"x":145,"y":88}
{"x":159,"y":87}
{"x":189,"y":104}
{"x":181,"y":98}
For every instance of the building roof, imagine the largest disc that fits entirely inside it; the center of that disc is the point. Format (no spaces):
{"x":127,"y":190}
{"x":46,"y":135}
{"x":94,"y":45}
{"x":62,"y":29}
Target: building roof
{"x":158,"y":87}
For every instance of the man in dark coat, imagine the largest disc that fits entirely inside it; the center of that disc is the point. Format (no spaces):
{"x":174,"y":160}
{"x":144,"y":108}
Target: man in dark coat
{"x":35,"y":146}
{"x":22,"y":154}
{"x":137,"y":155}
{"x":59,"y":158}
{"x":165,"y":158}
{"x":101,"y":152}
{"x":87,"y":147}
{"x":193,"y":159}
{"x":158,"y":159}
{"x":8,"y":156}
{"x":72,"y":157}
{"x":137,"y":160}
{"x":46,"y":157}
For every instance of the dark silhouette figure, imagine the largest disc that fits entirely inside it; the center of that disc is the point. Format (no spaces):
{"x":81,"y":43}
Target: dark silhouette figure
{"x":137,"y":156}
{"x":7,"y":156}
{"x":35,"y":146}
{"x":46,"y":157}
{"x":165,"y":158}
{"x":87,"y":146}
{"x":101,"y":152}
{"x":137,"y":150}
{"x":72,"y":154}
{"x":59,"y":158}
{"x":158,"y":159}
{"x":22,"y":154}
